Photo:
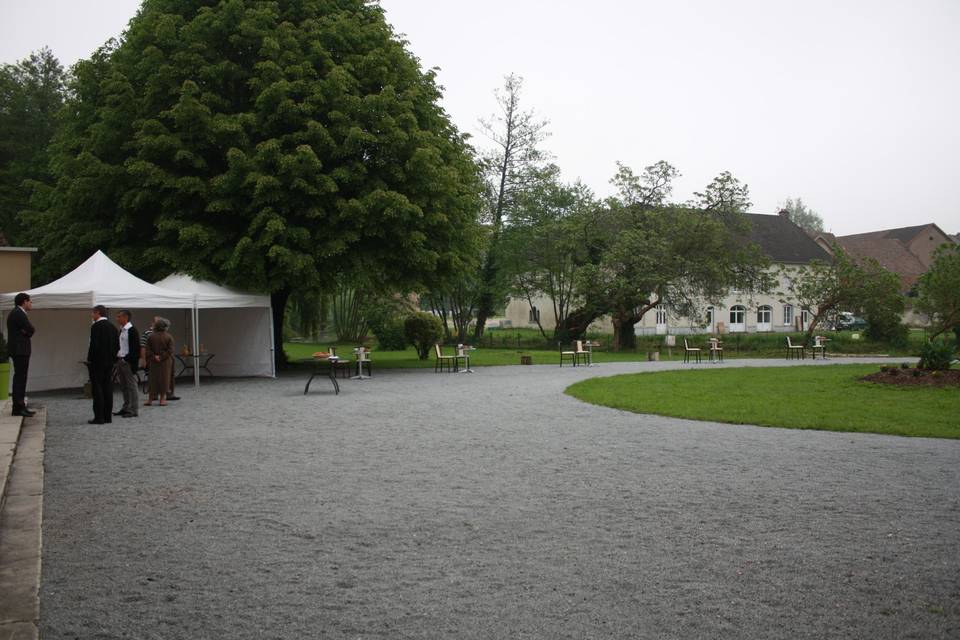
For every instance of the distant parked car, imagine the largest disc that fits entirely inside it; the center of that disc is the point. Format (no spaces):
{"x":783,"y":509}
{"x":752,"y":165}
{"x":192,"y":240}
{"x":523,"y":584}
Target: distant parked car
{"x":850,"y":322}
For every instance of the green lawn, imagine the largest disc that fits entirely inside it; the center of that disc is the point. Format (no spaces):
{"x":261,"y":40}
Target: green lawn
{"x":830,"y":398}
{"x":483,"y":357}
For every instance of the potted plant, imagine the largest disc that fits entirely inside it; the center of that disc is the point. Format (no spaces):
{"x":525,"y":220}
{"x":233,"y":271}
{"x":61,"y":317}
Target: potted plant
{"x":4,"y":369}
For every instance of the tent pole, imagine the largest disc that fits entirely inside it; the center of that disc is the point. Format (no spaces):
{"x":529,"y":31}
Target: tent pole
{"x":196,"y":343}
{"x":273,"y":348}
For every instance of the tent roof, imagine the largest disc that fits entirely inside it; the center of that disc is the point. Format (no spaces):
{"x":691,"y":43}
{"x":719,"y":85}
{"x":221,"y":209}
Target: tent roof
{"x":212,"y":296}
{"x":100,"y":280}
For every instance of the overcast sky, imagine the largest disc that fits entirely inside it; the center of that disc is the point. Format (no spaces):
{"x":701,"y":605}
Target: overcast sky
{"x":852,"y":105}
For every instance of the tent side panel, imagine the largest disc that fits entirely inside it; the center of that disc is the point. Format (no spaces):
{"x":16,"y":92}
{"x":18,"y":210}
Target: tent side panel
{"x":59,"y":347}
{"x":240,"y":340}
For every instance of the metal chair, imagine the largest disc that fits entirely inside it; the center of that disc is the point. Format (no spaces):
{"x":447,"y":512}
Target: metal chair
{"x":687,"y":350}
{"x":569,"y":355}
{"x":796,"y":351}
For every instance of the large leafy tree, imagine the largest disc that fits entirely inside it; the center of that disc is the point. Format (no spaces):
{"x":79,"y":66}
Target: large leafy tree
{"x":647,"y":252}
{"x":938,"y":293}
{"x":31,"y":94}
{"x":845,"y":283}
{"x":270,"y":145}
{"x":511,"y":167}
{"x":548,"y":241}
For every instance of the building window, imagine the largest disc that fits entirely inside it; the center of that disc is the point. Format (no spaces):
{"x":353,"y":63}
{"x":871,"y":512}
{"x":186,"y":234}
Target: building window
{"x":804,"y":317}
{"x":661,"y":314}
{"x":764,"y":314}
{"x":710,"y":316}
{"x":738,"y":314}
{"x":534,"y":314}
{"x":788,"y":314}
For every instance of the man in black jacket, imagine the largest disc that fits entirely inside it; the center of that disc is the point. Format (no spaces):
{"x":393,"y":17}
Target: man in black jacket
{"x":19,"y":332}
{"x":101,"y":358}
{"x":128,"y":360}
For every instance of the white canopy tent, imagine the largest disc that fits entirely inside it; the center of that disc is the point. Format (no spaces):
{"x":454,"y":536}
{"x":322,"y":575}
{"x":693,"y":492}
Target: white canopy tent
{"x":241,"y":334}
{"x":61,"y":315}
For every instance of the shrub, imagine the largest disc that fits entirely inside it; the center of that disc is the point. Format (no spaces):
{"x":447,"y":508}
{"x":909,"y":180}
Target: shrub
{"x":917,"y":373}
{"x":423,"y":330}
{"x":904,"y":365}
{"x":391,"y":335}
{"x":936,"y":355}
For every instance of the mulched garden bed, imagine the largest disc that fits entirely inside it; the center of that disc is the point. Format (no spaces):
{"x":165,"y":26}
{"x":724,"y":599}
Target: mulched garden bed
{"x":916,"y":378}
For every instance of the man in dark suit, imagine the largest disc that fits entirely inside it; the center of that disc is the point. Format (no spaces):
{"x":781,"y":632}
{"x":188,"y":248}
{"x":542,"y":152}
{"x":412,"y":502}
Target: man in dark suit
{"x":19,"y":332}
{"x":101,"y":358}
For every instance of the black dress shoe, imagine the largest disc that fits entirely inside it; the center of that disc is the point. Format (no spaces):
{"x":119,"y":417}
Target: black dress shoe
{"x":94,"y":421}
{"x":127,"y":414}
{"x":119,"y":413}
{"x":26,"y":413}
{"x":173,"y":397}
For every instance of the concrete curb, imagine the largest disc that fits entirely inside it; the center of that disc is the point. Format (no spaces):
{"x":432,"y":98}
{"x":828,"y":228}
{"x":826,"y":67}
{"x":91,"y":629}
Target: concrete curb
{"x":21,"y":520}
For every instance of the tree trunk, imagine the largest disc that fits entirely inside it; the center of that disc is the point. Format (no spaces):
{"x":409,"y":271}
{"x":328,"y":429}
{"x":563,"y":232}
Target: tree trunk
{"x":626,"y":337}
{"x":488,"y":278}
{"x":278,"y":307}
{"x":575,"y":325}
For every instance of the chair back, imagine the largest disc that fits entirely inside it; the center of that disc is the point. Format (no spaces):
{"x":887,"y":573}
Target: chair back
{"x":685,"y":345}
{"x":579,"y":346}
{"x":436,"y":346}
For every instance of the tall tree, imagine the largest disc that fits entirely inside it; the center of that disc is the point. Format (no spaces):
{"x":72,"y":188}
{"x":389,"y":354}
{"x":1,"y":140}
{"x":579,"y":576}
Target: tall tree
{"x":649,"y":252}
{"x":843,"y":284}
{"x":802,"y":215}
{"x":272,"y":146}
{"x":672,"y":256}
{"x":31,"y":94}
{"x":548,"y":241}
{"x":938,"y":293}
{"x":511,"y":168}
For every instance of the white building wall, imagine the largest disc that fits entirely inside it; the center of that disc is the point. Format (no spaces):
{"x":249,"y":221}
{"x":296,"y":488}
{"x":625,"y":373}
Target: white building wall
{"x":518,"y":312}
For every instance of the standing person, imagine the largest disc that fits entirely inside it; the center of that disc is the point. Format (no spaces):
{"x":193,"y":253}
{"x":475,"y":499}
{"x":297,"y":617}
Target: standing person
{"x":173,"y":374}
{"x":101,"y":358}
{"x":19,"y":332}
{"x":159,"y":353}
{"x":127,"y":364}
{"x":143,"y":355}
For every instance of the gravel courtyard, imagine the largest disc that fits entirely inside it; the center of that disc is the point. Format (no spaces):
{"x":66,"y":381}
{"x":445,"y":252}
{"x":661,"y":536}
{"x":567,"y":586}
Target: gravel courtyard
{"x":491,"y":505}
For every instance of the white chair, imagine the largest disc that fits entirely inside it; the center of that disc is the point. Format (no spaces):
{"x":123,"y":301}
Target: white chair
{"x":688,"y":350}
{"x":797,"y":351}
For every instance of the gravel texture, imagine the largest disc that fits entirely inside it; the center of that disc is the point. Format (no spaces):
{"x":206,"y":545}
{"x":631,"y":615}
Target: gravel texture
{"x":422,"y":505}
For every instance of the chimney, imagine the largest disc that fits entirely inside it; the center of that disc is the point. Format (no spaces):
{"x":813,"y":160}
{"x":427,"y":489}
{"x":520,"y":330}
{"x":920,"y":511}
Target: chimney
{"x":783,"y":213}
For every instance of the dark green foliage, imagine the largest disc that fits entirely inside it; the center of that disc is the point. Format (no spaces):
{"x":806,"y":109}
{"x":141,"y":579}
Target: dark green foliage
{"x":385,"y":318}
{"x":273,"y":146}
{"x":938,"y":293}
{"x":886,"y":326}
{"x":4,"y":354}
{"x":31,"y":94}
{"x":423,"y":330}
{"x":936,"y":355}
{"x":391,"y":334}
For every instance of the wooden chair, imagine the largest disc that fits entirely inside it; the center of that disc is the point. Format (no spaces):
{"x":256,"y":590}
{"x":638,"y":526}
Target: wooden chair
{"x":570,"y":355}
{"x":716,"y":350}
{"x":687,"y":350}
{"x":797,"y":351}
{"x":582,"y":355}
{"x":450,"y":361}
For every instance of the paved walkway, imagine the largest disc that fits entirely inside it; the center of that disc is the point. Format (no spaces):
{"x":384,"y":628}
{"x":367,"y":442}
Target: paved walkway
{"x":490,"y":505}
